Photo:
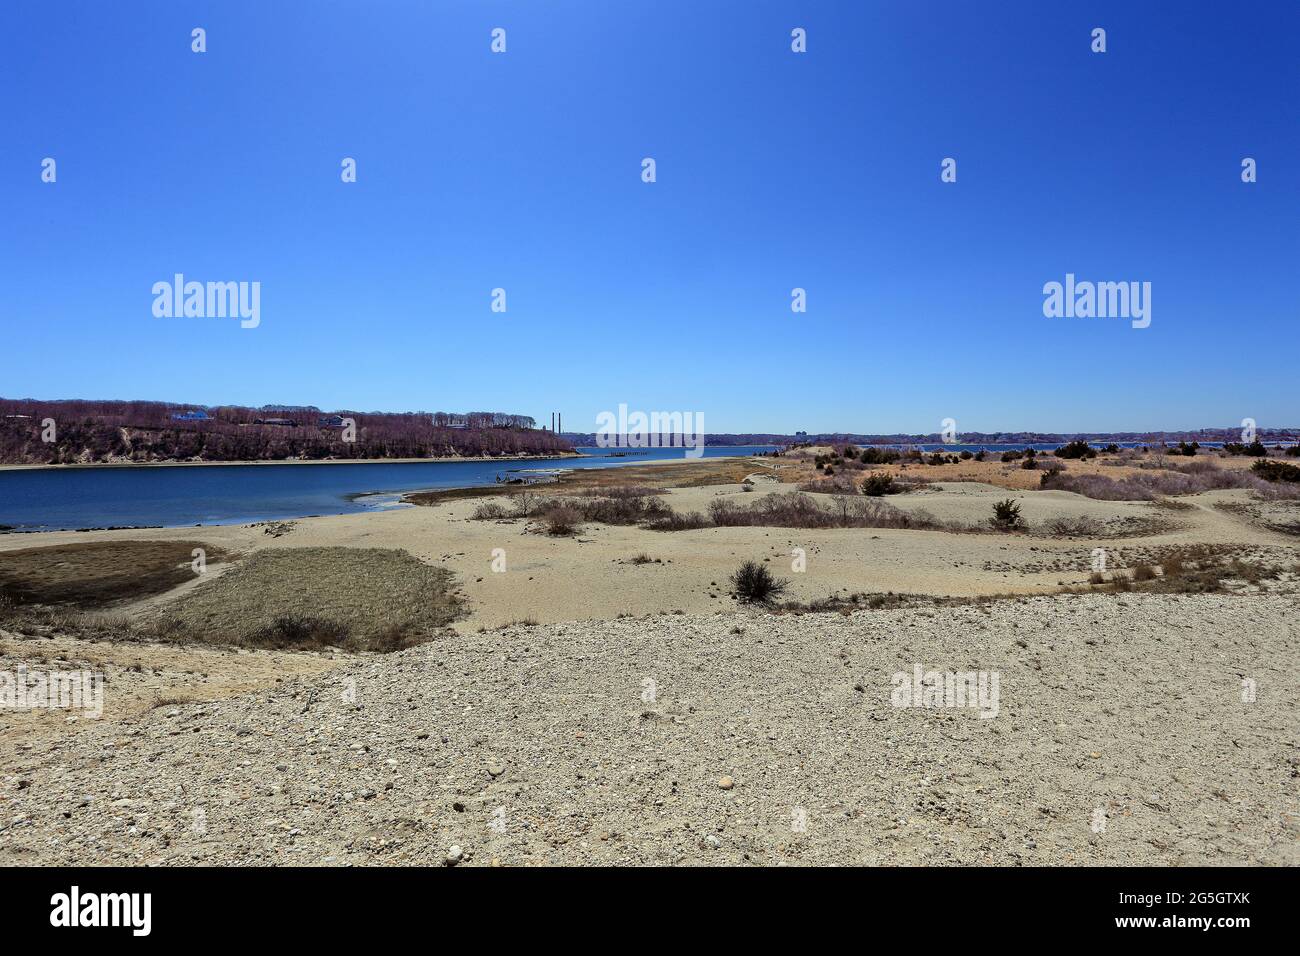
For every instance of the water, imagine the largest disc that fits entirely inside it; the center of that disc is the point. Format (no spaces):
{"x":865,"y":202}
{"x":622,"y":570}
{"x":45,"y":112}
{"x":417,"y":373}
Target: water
{"x":49,"y":499}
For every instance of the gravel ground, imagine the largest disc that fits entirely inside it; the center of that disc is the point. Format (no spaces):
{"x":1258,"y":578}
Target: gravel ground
{"x":1121,"y":737}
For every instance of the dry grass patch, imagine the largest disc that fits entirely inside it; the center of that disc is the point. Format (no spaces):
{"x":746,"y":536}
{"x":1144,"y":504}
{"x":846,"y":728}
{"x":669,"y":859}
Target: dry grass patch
{"x":1196,"y":569}
{"x":295,"y":598}
{"x":1279,"y":516}
{"x":98,"y":574}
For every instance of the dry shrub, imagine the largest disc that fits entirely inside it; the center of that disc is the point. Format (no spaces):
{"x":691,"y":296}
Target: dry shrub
{"x":910,"y":481}
{"x":395,"y":637}
{"x":298,"y":632}
{"x":1173,"y":566}
{"x":836,"y":485}
{"x":755,"y":584}
{"x":630,"y":491}
{"x":1200,"y":466}
{"x":795,"y":510}
{"x":293,"y":632}
{"x":623,"y":509}
{"x":1156,"y":481}
{"x":1248,"y":572}
{"x":563,"y":519}
{"x":1279,"y":491}
{"x":879,"y":484}
{"x":490,"y":510}
{"x":627,"y":506}
{"x":678,"y":521}
{"x":526,"y":504}
{"x":1083,"y":526}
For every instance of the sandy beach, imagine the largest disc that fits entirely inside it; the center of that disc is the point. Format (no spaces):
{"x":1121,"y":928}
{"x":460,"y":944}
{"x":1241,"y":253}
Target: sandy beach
{"x":590,"y":575}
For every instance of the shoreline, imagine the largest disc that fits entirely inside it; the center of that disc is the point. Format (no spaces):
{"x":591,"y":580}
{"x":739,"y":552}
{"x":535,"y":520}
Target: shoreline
{"x":295,"y":461}
{"x":402,"y":499}
{"x":662,"y":473}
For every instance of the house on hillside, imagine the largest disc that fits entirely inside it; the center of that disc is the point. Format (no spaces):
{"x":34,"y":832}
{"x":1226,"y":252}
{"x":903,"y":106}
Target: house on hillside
{"x":330,"y":421}
{"x":282,"y":422}
{"x":195,"y":416}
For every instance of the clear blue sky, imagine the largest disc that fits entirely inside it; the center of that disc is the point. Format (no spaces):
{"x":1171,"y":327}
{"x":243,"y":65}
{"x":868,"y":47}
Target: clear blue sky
{"x":775,"y":170}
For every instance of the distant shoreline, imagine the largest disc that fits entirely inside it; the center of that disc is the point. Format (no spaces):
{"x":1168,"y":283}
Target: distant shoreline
{"x":294,"y":461}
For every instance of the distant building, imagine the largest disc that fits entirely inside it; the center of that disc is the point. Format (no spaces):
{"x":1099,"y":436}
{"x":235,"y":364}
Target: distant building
{"x":283,"y":422}
{"x":800,"y":434}
{"x":195,"y":416}
{"x":330,"y":421}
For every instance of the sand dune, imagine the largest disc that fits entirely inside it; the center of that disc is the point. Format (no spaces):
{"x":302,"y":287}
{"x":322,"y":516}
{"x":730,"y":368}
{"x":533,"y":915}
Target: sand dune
{"x":590,"y":576}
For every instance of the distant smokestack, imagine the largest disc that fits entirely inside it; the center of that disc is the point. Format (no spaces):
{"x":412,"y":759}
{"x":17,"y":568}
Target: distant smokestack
{"x":559,"y":419}
{"x":552,"y":422}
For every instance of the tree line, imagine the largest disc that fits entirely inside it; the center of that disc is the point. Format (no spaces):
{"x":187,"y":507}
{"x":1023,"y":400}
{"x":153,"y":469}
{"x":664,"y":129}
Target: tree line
{"x":97,"y":431}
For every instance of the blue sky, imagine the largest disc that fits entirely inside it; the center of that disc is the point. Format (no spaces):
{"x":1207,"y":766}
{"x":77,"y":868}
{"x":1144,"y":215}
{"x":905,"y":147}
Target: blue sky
{"x":775,"y":170}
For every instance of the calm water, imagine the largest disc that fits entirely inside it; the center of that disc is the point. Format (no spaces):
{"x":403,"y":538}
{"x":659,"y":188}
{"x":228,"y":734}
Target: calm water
{"x":60,"y":498}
